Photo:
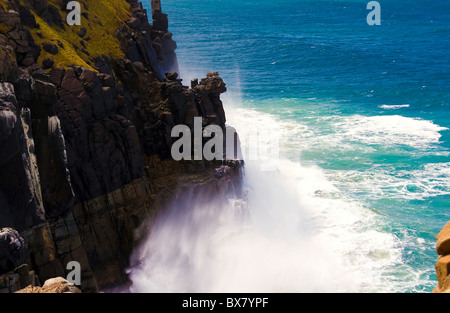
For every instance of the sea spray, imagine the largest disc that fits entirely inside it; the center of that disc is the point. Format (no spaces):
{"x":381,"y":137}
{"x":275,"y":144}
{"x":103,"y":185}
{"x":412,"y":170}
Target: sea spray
{"x":332,"y":83}
{"x":294,"y":232}
{"x":279,"y":240}
{"x":220,"y":248}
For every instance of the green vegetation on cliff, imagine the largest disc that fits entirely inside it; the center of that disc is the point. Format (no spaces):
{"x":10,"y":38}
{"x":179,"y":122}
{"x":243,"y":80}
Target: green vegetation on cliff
{"x":79,"y":45}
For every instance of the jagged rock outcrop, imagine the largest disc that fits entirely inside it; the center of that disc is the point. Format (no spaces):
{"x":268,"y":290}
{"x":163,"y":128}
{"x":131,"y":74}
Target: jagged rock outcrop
{"x":19,"y":278}
{"x":20,"y":189}
{"x":443,"y":262}
{"x":86,"y":114}
{"x":202,"y":99}
{"x":14,"y":254}
{"x":13,"y":250}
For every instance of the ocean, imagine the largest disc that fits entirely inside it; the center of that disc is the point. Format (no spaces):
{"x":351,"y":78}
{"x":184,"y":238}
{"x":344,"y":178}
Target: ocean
{"x":363,"y":180}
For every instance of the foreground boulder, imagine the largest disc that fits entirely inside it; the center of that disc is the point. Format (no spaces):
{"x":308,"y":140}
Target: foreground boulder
{"x":54,"y":285}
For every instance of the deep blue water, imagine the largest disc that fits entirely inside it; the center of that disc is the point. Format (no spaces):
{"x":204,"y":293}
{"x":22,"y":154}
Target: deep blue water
{"x":370,"y":105}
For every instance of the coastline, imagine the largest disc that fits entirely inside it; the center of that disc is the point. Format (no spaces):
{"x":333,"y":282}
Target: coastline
{"x":90,"y":142}
{"x":95,"y":171}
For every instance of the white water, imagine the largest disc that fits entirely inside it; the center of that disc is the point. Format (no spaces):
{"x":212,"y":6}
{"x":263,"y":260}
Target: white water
{"x":394,"y":107}
{"x":297,"y":240}
{"x":302,"y":235}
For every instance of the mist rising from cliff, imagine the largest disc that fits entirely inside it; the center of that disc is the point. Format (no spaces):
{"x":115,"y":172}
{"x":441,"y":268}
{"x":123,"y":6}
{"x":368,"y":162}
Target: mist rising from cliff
{"x":293,"y":234}
{"x":222,"y":249}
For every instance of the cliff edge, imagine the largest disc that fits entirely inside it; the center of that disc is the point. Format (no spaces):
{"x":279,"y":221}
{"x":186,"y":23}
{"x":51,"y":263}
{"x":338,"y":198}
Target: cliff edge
{"x":86,"y":114}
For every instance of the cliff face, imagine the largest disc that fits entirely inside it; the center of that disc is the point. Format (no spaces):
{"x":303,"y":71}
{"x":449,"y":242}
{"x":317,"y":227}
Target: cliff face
{"x":86,"y":114}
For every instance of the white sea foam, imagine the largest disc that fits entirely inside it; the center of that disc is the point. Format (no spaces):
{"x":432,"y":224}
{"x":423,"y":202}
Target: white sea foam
{"x":430,"y":181}
{"x":300,"y":238}
{"x":303,"y":234}
{"x":371,"y":133}
{"x":394,"y":107}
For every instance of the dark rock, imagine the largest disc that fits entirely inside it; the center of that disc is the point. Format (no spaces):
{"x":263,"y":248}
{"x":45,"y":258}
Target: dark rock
{"x":13,"y":250}
{"x":23,"y":88}
{"x":28,"y":61}
{"x":107,"y":80}
{"x":15,"y":35}
{"x":25,"y":278}
{"x":48,"y":63}
{"x":168,"y":36}
{"x":57,"y":192}
{"x":44,"y":99}
{"x":40,"y":6}
{"x":172,"y":76}
{"x":19,"y":179}
{"x":160,"y":21}
{"x":40,"y":75}
{"x":22,"y":47}
{"x":34,"y":49}
{"x":8,"y":65}
{"x":103,"y":66}
{"x":134,"y":23}
{"x":50,"y":48}
{"x":85,"y":52}
{"x":8,"y":111}
{"x":10,"y":19}
{"x":87,"y":75}
{"x":139,"y":66}
{"x":85,"y":156}
{"x":56,"y":76}
{"x":207,"y":94}
{"x":194,"y":83}
{"x":3,"y":39}
{"x":26,"y":17}
{"x":55,"y":16}
{"x":71,"y":83}
{"x":7,"y":124}
{"x":82,"y":32}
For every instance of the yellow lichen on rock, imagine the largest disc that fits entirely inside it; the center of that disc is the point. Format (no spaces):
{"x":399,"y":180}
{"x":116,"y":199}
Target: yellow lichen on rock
{"x":3,"y":6}
{"x":81,"y":44}
{"x":66,"y":56}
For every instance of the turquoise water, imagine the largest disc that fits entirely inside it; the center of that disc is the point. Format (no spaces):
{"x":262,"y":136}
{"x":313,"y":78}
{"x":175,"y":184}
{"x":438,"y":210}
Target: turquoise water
{"x":364,"y":111}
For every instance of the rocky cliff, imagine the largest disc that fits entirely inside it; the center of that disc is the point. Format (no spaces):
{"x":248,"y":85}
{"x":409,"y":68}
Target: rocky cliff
{"x":86,"y":113}
{"x":443,"y":262}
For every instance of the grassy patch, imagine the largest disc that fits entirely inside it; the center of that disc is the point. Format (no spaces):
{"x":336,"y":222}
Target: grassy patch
{"x":3,"y":6}
{"x":103,"y":18}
